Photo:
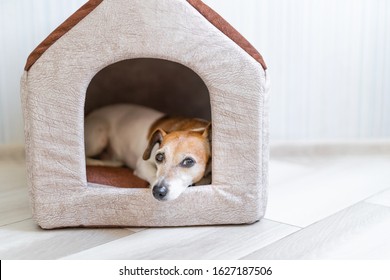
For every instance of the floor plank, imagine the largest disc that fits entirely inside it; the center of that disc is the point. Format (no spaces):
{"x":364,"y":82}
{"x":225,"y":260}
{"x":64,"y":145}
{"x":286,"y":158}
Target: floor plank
{"x":218,"y":242}
{"x":14,"y":199}
{"x":14,"y":206}
{"x":327,"y":185}
{"x":358,"y":232}
{"x":315,"y":192}
{"x":382,"y":198}
{"x":25,"y":240}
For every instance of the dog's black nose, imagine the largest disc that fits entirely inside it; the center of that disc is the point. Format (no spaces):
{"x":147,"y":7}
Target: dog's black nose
{"x":160,"y":191}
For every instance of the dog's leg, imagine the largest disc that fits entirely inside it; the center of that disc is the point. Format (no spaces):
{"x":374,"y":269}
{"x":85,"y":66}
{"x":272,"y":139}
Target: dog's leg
{"x":96,"y":142}
{"x":146,"y":170}
{"x":95,"y":136}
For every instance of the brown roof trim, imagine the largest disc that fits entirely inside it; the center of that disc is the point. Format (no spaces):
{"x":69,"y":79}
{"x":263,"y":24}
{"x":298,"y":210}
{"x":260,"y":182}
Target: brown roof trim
{"x":202,"y":8}
{"x":60,"y":31}
{"x":227,"y":29}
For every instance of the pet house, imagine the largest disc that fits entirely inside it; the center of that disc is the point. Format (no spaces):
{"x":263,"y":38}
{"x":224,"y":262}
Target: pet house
{"x":178,"y":56}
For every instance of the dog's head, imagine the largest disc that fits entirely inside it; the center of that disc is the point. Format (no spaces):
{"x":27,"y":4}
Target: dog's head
{"x":181,"y":159}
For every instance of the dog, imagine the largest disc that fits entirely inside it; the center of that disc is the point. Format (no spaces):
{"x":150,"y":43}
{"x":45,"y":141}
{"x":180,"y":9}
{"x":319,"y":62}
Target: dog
{"x":170,"y":153}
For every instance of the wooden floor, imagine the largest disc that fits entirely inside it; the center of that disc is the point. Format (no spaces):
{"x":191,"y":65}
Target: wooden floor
{"x":320,"y":206}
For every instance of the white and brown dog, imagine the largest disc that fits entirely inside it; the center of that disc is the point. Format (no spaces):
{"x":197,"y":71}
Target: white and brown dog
{"x":170,"y":153}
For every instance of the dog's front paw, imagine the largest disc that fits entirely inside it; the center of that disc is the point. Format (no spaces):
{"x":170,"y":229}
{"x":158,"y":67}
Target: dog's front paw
{"x":145,"y":171}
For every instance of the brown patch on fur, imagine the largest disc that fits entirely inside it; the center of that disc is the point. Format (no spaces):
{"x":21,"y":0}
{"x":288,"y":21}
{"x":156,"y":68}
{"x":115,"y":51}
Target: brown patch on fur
{"x":184,"y":143}
{"x":188,"y":141}
{"x":155,"y":138}
{"x":180,"y":138}
{"x":170,"y":124}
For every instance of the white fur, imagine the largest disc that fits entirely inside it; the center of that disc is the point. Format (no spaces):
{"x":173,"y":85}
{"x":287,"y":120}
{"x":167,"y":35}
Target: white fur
{"x":177,"y":186}
{"x":124,"y":128}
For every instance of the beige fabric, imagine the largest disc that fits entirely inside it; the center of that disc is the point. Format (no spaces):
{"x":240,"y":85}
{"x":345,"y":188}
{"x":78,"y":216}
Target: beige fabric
{"x":53,"y":95}
{"x":202,"y":8}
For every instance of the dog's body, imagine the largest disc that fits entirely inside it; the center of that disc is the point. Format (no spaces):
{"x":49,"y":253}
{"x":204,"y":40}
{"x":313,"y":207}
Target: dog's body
{"x":170,"y":153}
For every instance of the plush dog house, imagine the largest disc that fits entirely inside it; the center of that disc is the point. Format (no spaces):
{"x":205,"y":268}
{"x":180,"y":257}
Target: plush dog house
{"x":177,"y":56}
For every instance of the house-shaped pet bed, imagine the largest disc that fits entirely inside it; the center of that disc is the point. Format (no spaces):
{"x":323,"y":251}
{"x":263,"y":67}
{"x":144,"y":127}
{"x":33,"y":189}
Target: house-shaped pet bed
{"x":177,"y":56}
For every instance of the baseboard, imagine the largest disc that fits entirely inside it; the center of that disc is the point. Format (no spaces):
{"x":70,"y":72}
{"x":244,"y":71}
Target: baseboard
{"x":329,"y":148}
{"x":12,"y":152}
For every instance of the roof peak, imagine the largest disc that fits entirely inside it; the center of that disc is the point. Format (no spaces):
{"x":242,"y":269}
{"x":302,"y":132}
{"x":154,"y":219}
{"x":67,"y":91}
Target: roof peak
{"x":212,"y":16}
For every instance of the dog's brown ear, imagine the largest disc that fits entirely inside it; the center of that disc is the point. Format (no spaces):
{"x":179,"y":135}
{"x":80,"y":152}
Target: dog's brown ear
{"x":156,"y":137}
{"x":207,"y":132}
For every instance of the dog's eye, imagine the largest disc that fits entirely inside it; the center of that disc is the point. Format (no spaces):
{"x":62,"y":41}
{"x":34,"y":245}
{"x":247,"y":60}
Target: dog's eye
{"x":160,"y":157}
{"x":187,"y":162}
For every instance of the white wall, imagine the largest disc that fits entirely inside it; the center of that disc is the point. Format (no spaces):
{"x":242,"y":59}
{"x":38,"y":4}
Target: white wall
{"x":23,"y":25}
{"x":329,"y":61}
